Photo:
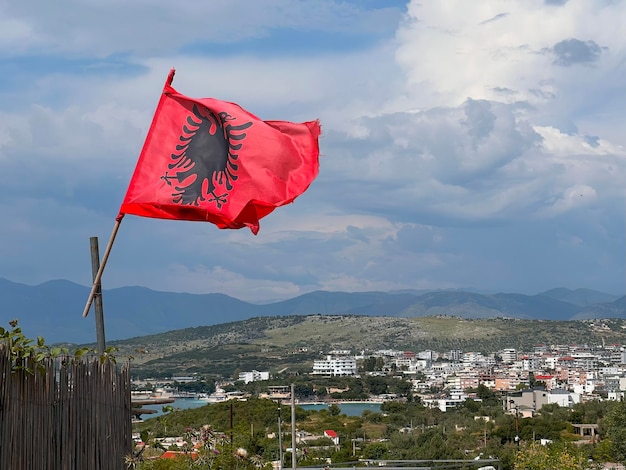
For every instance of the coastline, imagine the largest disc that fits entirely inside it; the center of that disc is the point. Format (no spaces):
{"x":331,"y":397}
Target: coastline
{"x":374,"y":401}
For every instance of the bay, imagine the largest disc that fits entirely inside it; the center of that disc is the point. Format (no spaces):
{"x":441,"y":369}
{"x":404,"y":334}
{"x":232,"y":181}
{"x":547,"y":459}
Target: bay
{"x":348,"y":408}
{"x":179,"y":403}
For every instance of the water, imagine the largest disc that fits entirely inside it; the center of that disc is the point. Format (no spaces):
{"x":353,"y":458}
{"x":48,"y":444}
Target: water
{"x":179,"y":403}
{"x":349,"y":409}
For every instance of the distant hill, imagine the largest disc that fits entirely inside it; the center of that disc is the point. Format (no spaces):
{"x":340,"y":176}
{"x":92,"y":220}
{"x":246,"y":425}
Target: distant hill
{"x":471,"y":305}
{"x":581,"y":297}
{"x":616,"y":309}
{"x":53,"y":309}
{"x":291,"y":343}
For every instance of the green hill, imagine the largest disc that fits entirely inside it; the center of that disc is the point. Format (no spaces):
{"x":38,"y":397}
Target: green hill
{"x":293,"y":342}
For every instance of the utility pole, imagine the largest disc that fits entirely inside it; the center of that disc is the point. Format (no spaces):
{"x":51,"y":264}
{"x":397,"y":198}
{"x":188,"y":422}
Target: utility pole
{"x":294,"y":454}
{"x":485,"y":434}
{"x":280,"y":440}
{"x":517,"y":438}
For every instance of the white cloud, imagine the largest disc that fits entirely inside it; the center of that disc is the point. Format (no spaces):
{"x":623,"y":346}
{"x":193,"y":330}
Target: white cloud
{"x":573,"y":197}
{"x":202,"y":279}
{"x":500,"y":50}
{"x":13,"y":33}
{"x":560,"y":144}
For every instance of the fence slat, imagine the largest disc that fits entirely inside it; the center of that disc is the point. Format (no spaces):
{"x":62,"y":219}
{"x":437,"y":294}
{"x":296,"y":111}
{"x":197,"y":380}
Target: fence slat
{"x":75,"y":415}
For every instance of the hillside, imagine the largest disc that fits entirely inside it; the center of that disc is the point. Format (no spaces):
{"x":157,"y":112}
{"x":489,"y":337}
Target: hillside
{"x":293,"y":342}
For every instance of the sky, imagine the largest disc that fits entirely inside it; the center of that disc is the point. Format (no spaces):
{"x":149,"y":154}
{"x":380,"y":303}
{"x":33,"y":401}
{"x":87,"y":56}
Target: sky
{"x":464,"y":144}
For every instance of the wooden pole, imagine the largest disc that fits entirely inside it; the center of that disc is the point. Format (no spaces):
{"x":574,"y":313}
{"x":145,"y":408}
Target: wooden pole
{"x":97,"y":301}
{"x":98,"y":276}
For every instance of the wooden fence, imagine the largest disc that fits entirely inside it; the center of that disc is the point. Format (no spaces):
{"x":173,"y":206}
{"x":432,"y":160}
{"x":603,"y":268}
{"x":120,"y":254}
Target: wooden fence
{"x":72,"y":414}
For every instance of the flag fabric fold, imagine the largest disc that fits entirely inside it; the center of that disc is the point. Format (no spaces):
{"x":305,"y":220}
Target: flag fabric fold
{"x":210,"y":160}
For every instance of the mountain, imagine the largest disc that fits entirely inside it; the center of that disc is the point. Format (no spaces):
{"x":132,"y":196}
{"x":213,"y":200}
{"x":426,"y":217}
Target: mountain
{"x":581,"y":297}
{"x":454,"y":303}
{"x":53,"y":309}
{"x":327,"y":303}
{"x":615,"y":309}
{"x":471,"y":305}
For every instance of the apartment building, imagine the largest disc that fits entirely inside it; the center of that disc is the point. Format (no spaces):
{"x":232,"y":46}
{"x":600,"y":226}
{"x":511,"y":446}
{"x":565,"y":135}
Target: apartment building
{"x":335,"y":366}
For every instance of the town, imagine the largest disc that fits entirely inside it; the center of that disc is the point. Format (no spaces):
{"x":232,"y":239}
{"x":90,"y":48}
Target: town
{"x":527,"y":380}
{"x":521,"y":384}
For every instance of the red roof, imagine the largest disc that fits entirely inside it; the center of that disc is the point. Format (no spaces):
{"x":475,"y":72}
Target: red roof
{"x":174,"y":454}
{"x":330,"y":433}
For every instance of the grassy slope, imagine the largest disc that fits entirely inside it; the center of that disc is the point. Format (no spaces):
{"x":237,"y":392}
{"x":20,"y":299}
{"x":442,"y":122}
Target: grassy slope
{"x":272,"y":343}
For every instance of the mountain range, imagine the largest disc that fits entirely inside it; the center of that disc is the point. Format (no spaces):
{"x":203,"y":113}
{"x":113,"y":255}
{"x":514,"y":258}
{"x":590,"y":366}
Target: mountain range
{"x":53,"y":309}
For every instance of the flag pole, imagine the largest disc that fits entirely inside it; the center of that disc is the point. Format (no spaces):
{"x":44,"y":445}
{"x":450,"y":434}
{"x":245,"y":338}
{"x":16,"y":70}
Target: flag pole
{"x":98,"y":276}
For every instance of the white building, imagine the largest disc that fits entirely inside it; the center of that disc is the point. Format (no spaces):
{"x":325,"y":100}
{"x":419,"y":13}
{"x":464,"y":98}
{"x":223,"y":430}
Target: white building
{"x":455,"y":398}
{"x":455,"y":355}
{"x":585,"y":361}
{"x":428,"y":355}
{"x":531,"y":363}
{"x":253,"y":376}
{"x":563,"y":398}
{"x":509,"y":355}
{"x":340,"y":352}
{"x":335,"y":366}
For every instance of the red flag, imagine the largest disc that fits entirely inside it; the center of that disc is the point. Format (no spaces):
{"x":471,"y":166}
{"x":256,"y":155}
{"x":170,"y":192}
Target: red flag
{"x":210,"y":160}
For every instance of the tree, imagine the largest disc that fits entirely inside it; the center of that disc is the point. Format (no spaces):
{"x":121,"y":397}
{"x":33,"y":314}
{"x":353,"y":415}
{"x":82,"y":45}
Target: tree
{"x":377,"y":385}
{"x":369,"y":364}
{"x":550,"y":457}
{"x":303,"y":390}
{"x":615,"y":423}
{"x":485,"y":393}
{"x":375,"y":450}
{"x":334,"y":410}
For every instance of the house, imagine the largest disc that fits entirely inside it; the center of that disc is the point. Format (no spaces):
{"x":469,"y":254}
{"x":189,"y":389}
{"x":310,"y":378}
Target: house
{"x":332,"y":435}
{"x":533,"y":400}
{"x":175,"y":454}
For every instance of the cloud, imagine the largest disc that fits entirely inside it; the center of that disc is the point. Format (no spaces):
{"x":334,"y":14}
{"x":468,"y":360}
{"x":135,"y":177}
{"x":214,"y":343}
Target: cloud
{"x":451,"y":51}
{"x":574,"y":51}
{"x":458,"y":147}
{"x":159,"y":27}
{"x":217,"y":279}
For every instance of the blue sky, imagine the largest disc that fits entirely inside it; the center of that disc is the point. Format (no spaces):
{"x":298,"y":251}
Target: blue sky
{"x":464,"y":146}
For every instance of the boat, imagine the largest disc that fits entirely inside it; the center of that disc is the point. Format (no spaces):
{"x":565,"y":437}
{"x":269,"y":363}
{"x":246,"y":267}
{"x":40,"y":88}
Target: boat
{"x":216,"y":397}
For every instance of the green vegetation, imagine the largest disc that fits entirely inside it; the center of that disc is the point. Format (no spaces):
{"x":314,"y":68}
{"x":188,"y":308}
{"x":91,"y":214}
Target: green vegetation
{"x":290,"y":344}
{"x":28,"y":354}
{"x":244,"y":434}
{"x":535,"y":456}
{"x":408,"y":431}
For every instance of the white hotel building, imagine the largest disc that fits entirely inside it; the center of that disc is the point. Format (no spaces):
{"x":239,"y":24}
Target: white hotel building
{"x":335,"y":366}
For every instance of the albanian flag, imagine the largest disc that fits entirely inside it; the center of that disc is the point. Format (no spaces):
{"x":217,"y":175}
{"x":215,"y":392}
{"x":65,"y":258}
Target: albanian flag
{"x":210,"y":160}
